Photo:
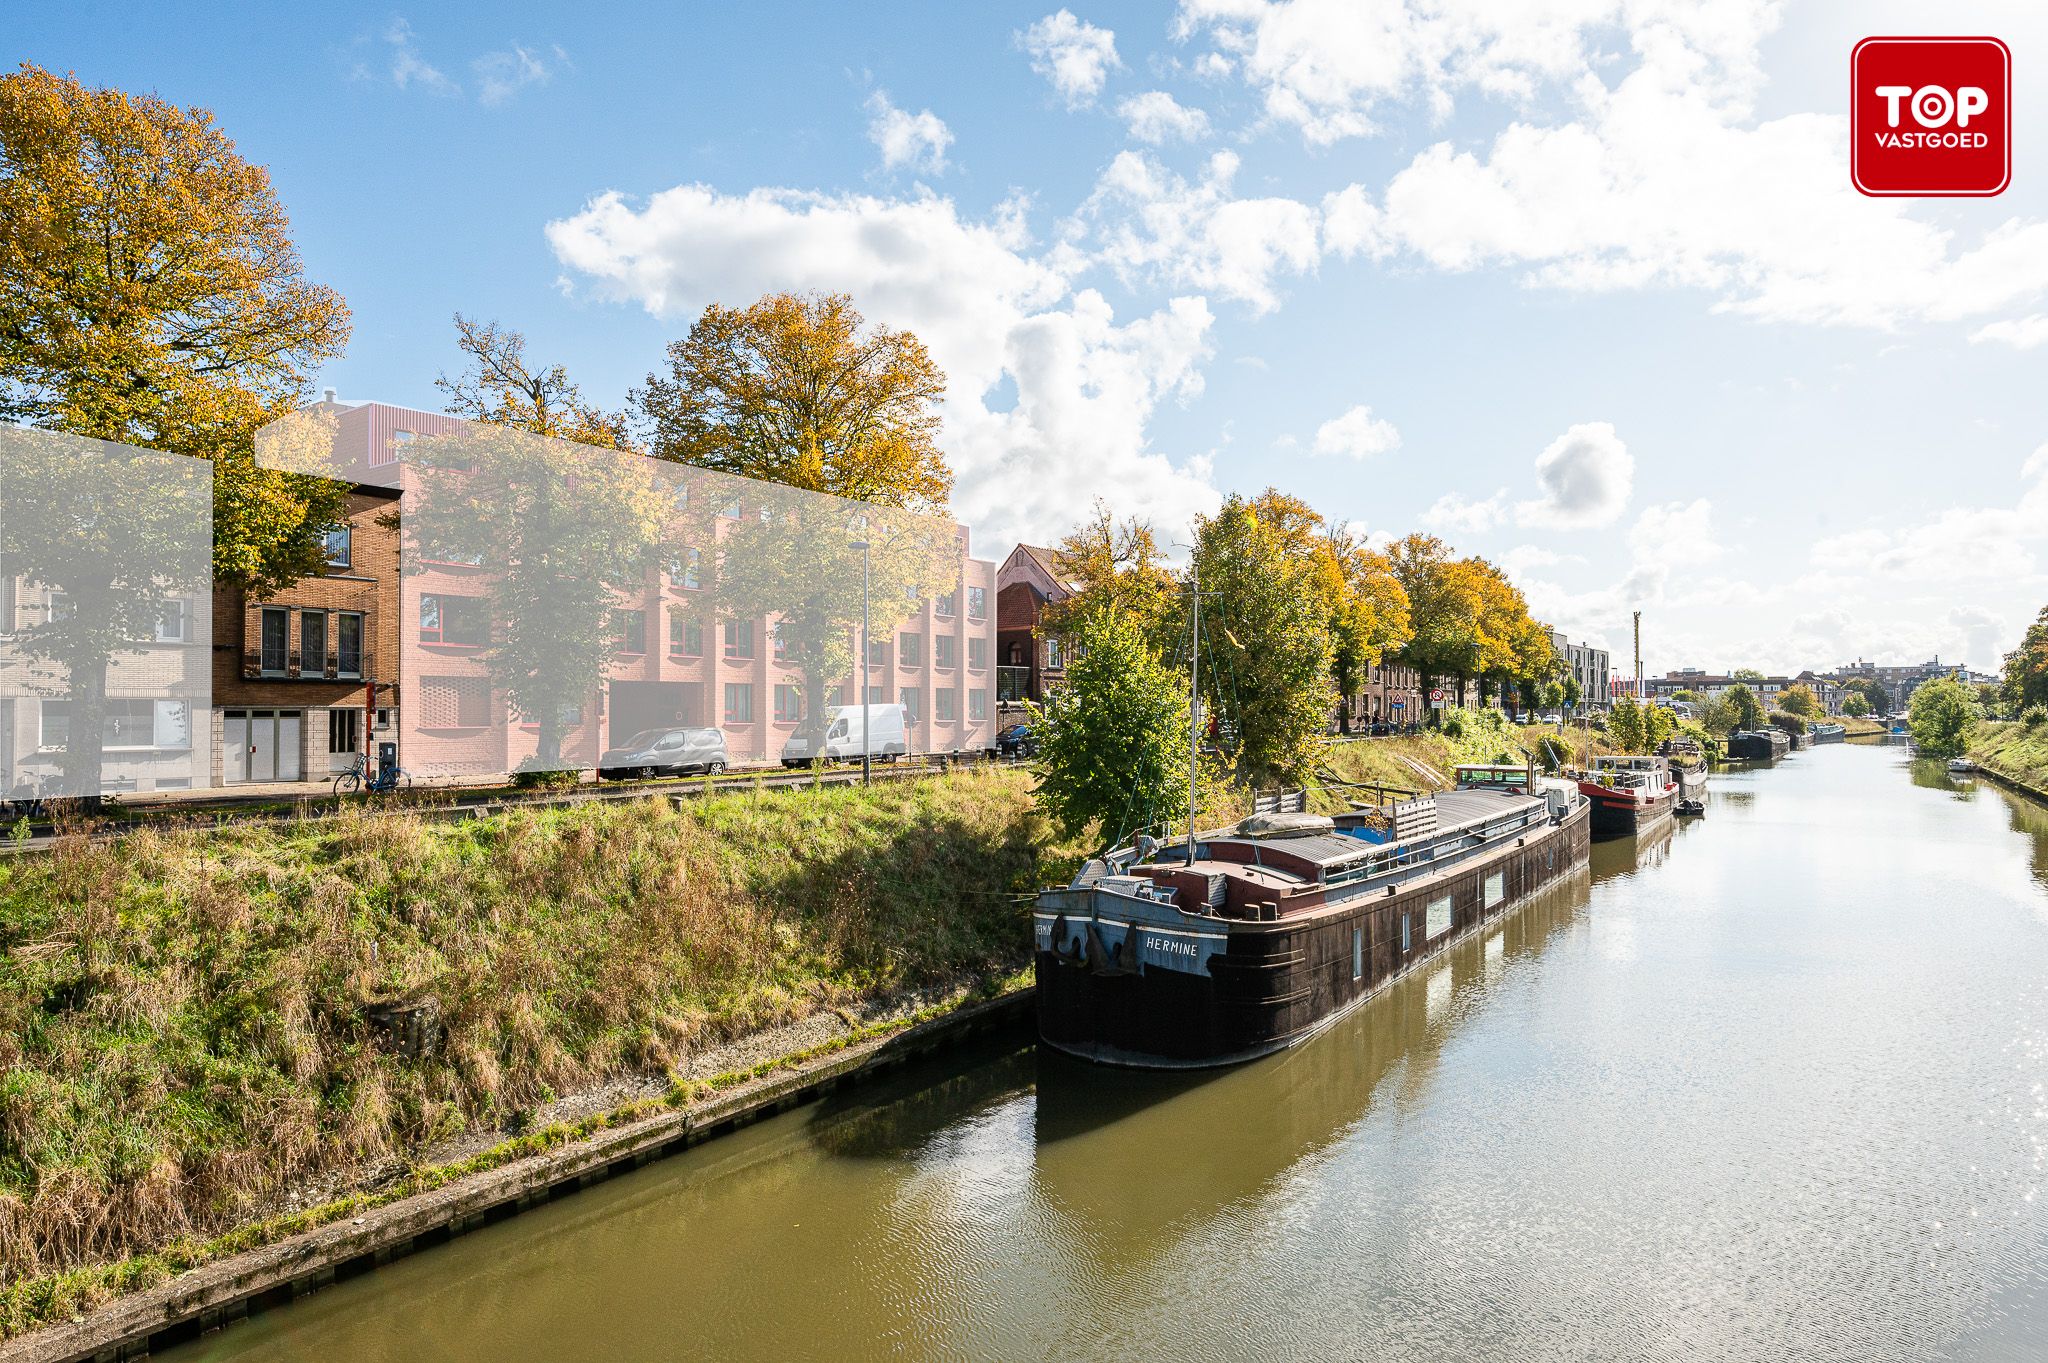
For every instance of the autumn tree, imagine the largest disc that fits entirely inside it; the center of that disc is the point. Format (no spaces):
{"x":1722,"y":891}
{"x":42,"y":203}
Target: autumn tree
{"x":1111,"y":566}
{"x":150,"y":294}
{"x":1365,"y":606}
{"x":1265,"y":656}
{"x":498,"y":385}
{"x":1800,"y":700}
{"x":1114,"y":739}
{"x":797,"y":389}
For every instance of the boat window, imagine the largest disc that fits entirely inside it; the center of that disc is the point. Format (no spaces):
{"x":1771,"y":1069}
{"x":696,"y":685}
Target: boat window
{"x":1496,"y":888}
{"x":1358,"y":953}
{"x":1439,"y":917}
{"x":1404,"y":932}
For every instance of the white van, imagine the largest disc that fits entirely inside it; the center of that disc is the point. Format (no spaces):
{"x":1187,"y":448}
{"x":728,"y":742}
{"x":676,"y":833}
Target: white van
{"x":887,"y":736}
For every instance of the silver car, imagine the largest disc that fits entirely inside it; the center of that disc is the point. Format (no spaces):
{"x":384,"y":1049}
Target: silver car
{"x":664,"y":752}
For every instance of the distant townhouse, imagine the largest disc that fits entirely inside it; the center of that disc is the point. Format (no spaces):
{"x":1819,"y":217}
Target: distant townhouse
{"x":1030,"y":664}
{"x":1589,"y":666}
{"x":1768,"y":690}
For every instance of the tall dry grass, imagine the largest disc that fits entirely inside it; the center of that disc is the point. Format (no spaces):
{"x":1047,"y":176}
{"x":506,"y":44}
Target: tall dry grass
{"x":183,"y":1031}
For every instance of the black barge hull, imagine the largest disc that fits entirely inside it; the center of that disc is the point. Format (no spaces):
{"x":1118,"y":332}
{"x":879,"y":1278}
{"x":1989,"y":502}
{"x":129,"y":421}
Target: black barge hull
{"x":1281,"y":982}
{"x":1627,"y":818}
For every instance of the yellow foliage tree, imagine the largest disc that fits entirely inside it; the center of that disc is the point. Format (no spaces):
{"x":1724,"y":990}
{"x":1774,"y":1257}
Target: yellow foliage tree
{"x":796,"y":389}
{"x":150,"y":294}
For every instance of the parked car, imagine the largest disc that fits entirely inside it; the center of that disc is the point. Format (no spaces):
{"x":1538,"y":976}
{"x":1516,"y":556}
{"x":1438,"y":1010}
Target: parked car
{"x":1017,"y":741}
{"x":887,"y":736}
{"x":664,"y":752}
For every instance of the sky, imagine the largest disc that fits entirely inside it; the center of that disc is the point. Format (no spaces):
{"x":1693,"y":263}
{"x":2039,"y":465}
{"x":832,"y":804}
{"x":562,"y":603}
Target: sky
{"x":1579,"y":285}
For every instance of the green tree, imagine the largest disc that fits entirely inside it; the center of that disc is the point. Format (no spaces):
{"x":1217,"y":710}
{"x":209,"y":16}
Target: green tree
{"x":1800,"y":700}
{"x":1659,"y":723}
{"x":1571,"y":694}
{"x":1114,"y":739}
{"x":1854,"y":705}
{"x":1266,"y":644}
{"x":797,"y":389}
{"x":150,"y":294}
{"x":1746,"y":674}
{"x":2026,"y":667}
{"x":1626,"y":728}
{"x":1873,"y":692}
{"x":1942,"y":716}
{"x":1744,"y":710}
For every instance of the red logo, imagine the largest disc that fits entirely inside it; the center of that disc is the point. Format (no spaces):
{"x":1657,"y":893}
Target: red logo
{"x":1930,"y":117}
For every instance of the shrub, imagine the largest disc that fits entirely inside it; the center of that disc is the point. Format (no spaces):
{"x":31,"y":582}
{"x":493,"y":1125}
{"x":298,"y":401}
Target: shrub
{"x":1790,"y":723}
{"x":533,"y":778}
{"x":2035,"y":715}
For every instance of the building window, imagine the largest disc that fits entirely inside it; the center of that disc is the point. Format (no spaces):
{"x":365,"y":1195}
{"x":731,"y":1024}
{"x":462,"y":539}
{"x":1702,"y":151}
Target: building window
{"x":1052,"y":655}
{"x":780,"y":637}
{"x":878,"y":653}
{"x":174,"y":622}
{"x":739,"y":639}
{"x":945,"y":650}
{"x":946,"y":603}
{"x":789,"y":703}
{"x":344,"y":730}
{"x":977,"y":603}
{"x":313,"y":643}
{"x":913,"y":703}
{"x":977,"y":654}
{"x":127,"y":723}
{"x":910,"y":650}
{"x":273,"y":641}
{"x":948,"y":705}
{"x":687,"y":571}
{"x":336,"y":541}
{"x":731,"y":510}
{"x":455,"y":620}
{"x":977,"y":704}
{"x":685,"y":635}
{"x":739,"y":703}
{"x":629,"y":631}
{"x":348,"y":644}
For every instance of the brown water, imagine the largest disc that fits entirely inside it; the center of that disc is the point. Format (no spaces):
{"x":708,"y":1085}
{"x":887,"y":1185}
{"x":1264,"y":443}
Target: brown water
{"x":1770,"y":1088}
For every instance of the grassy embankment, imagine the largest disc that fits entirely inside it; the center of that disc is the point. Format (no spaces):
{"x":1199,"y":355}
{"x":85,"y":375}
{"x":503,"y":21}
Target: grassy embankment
{"x":183,"y":1031}
{"x":1858,"y":728}
{"x":2016,"y":751}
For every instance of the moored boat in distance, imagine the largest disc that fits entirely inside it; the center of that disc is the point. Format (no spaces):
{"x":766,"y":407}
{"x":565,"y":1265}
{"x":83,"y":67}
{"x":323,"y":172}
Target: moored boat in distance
{"x":1962,"y":766}
{"x":1758,"y":745}
{"x":1827,"y":733}
{"x":1238,"y":944}
{"x":1628,"y":794}
{"x":1688,"y":765}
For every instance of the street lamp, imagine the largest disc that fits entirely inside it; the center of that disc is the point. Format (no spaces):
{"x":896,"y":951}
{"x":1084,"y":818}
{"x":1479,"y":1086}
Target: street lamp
{"x":866,"y":746}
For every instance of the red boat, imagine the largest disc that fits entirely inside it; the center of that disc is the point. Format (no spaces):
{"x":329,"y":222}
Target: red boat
{"x":1628,"y":794}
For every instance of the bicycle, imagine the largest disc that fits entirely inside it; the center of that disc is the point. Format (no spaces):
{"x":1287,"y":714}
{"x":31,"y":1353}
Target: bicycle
{"x":383,"y":781}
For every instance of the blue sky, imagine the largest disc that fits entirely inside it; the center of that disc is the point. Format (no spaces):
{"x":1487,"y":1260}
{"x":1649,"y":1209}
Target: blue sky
{"x":1581,"y":285}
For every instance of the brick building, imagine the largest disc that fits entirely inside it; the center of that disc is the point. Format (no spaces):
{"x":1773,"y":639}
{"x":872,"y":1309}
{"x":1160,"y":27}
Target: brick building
{"x":305,"y":679}
{"x":1029,"y":664}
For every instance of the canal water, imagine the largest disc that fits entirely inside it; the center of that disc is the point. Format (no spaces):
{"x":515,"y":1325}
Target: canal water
{"x":1768,"y":1087}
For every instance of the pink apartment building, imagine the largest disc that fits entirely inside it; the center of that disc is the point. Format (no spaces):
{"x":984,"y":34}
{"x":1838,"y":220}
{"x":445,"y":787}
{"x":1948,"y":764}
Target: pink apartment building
{"x":681,"y":660}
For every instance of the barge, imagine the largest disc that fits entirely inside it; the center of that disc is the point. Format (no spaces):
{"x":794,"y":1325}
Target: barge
{"x":1234,"y":945}
{"x":1629,"y":794}
{"x":1758,"y":745}
{"x":1688,"y":766}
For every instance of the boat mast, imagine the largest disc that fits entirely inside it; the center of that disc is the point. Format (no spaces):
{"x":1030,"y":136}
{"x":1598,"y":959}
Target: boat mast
{"x":1194,"y":692}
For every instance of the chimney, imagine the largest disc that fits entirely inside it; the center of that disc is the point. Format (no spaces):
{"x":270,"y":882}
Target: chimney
{"x":327,"y":394}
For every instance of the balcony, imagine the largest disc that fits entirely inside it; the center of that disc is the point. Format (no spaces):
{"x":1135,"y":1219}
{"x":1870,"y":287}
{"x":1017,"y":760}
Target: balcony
{"x":288,"y":665}
{"x":1013,"y":684}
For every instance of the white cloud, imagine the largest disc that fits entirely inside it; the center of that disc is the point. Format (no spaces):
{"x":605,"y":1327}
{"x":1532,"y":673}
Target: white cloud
{"x":1586,"y":476}
{"x":918,"y":140}
{"x":1086,"y":385}
{"x":1157,"y":117}
{"x":1955,"y":546}
{"x":1656,"y":174}
{"x":1148,"y":222}
{"x":2022,"y":333}
{"x":1352,"y":224}
{"x":501,"y":75}
{"x":1075,"y":56}
{"x":1524,"y":559}
{"x":1453,"y":513}
{"x":1357,"y":433}
{"x":409,"y":69}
